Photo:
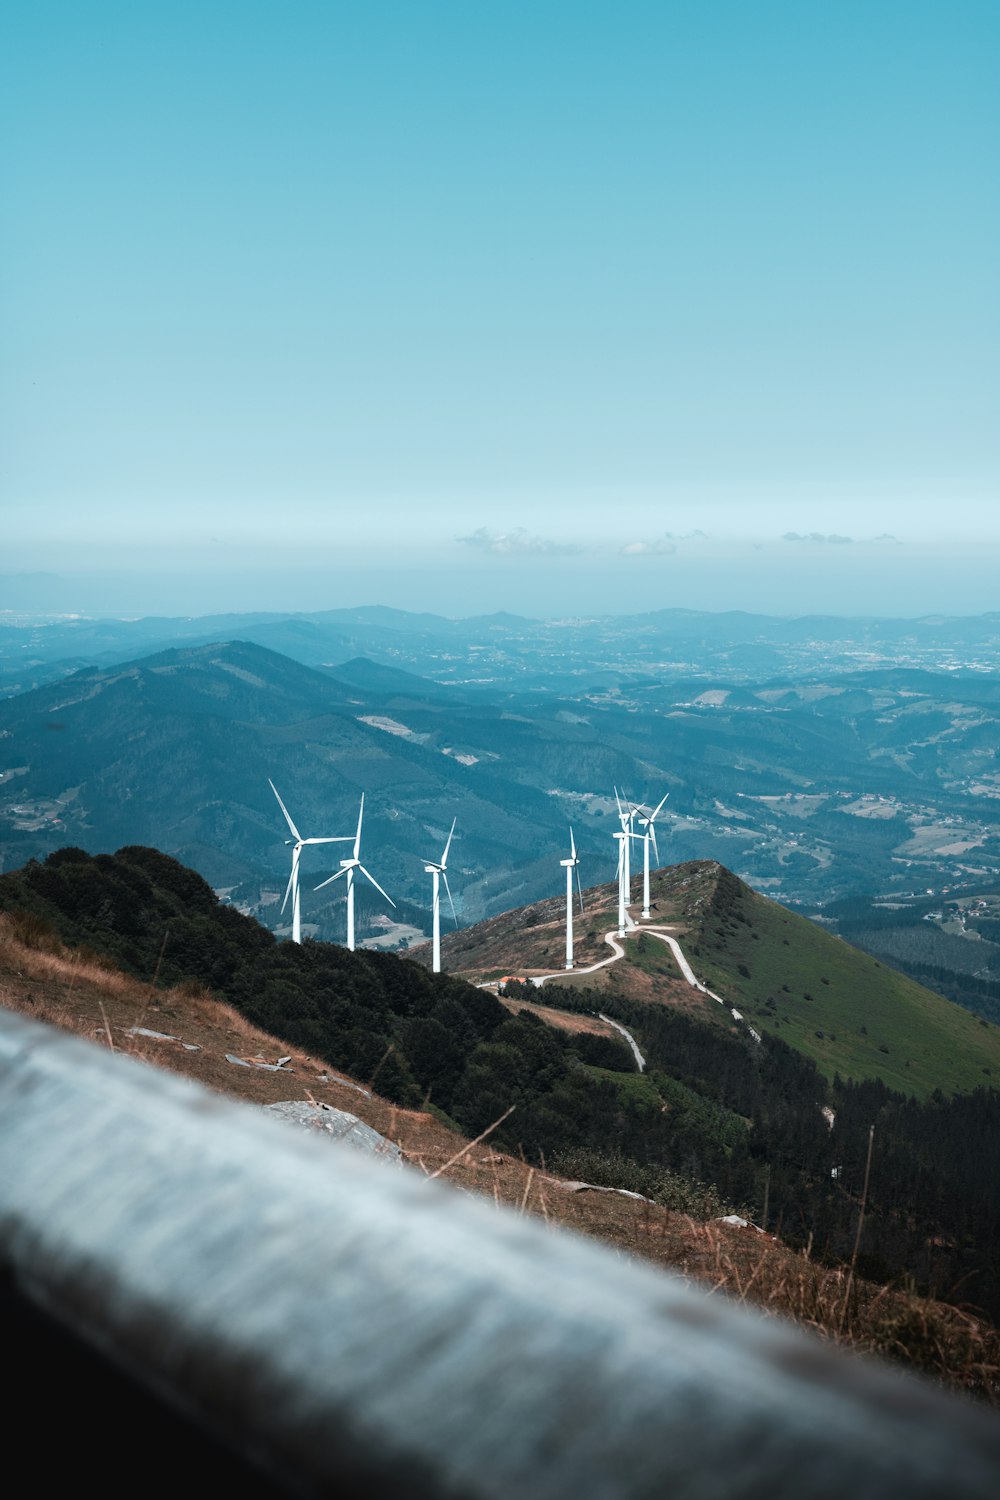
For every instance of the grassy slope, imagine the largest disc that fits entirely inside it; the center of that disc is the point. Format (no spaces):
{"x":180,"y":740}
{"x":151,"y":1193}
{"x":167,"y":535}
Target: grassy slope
{"x":875,"y":1023}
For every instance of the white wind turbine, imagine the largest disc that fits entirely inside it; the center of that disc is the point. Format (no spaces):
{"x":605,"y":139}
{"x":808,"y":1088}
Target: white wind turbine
{"x":298,"y":843}
{"x":647,"y":820}
{"x":570,"y":865}
{"x":437,"y":871}
{"x":348,"y":867}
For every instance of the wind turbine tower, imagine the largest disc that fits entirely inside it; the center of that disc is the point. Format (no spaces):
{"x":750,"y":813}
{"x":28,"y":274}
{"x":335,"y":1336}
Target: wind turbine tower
{"x":623,"y":839}
{"x":298,"y":843}
{"x":348,"y":868}
{"x":626,"y":816}
{"x":647,"y":820}
{"x":437,"y":872}
{"x":570,"y":865}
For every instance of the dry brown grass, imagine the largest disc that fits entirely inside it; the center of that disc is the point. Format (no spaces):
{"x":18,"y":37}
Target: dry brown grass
{"x":945,"y":1342}
{"x":566,"y":1020}
{"x":70,"y":991}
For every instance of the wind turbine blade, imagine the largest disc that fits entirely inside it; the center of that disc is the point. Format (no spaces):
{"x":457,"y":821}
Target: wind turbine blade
{"x":447,"y":887}
{"x":444,"y":857}
{"x":619,"y":801}
{"x":344,"y":838}
{"x":377,"y":886}
{"x":288,"y":889}
{"x":572,"y":844}
{"x":284,"y":809}
{"x":579,"y":886}
{"x":331,"y":878}
{"x":659,"y":805}
{"x":656,"y":851}
{"x":357,"y":836}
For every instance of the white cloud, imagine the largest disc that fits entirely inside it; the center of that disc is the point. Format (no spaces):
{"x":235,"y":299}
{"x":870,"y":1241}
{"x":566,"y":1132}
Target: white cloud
{"x":661,"y":546}
{"x":816,"y":536}
{"x":516,"y":543}
{"x":832,"y":538}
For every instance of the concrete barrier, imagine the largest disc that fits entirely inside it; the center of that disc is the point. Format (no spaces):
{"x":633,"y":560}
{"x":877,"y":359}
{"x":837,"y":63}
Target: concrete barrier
{"x":349,"y":1328}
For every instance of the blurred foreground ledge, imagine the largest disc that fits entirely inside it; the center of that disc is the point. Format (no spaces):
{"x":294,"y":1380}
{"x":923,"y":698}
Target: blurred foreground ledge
{"x":191,"y":1288}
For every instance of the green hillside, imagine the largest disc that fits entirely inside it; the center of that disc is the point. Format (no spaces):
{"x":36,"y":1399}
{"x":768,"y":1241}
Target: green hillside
{"x":839,"y":1006}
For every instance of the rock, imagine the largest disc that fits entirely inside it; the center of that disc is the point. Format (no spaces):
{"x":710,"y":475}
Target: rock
{"x":592,"y":1187}
{"x":336,"y":1123}
{"x":736,"y":1222}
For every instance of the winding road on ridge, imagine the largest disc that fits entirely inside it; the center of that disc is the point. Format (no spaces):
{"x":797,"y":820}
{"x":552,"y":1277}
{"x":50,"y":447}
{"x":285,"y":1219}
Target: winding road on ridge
{"x":613,"y":941}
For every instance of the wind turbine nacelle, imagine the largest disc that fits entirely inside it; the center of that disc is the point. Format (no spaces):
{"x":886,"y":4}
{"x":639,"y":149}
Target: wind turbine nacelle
{"x":568,"y":864}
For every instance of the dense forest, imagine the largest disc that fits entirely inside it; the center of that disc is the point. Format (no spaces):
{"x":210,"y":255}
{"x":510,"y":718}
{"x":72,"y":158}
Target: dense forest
{"x":933,"y":1208}
{"x":717,"y":1121}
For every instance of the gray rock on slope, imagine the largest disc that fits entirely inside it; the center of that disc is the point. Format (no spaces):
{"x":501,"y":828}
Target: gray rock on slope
{"x":336,"y":1123}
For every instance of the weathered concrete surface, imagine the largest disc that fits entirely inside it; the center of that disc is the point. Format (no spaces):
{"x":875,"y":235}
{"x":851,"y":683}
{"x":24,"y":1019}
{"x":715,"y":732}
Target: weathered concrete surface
{"x":365,"y":1331}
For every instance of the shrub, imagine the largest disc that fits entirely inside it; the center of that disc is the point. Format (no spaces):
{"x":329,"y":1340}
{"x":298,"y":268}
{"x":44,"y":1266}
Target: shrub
{"x":35,"y":932}
{"x":670,"y":1190}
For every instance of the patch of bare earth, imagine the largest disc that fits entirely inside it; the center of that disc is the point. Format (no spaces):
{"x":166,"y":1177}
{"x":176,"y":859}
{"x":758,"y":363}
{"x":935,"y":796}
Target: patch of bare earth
{"x":198,"y":1031}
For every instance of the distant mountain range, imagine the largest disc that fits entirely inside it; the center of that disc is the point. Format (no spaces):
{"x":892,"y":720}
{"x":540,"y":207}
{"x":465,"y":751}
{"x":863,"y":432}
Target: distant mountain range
{"x":853,"y":791}
{"x":177,"y":749}
{"x":505,"y":650}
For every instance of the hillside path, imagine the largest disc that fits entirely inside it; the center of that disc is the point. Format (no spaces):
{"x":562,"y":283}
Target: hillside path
{"x":640,"y":1060}
{"x":611,"y":938}
{"x":682,"y":963}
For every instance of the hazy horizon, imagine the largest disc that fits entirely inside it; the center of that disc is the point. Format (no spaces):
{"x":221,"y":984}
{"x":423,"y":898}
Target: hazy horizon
{"x":46,"y":595}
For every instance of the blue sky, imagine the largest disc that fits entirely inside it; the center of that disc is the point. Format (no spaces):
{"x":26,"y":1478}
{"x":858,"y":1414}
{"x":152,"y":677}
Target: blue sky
{"x":503,"y":305}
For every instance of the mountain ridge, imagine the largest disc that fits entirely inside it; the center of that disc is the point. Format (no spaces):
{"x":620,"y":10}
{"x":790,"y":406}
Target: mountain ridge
{"x":850,"y":1014}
